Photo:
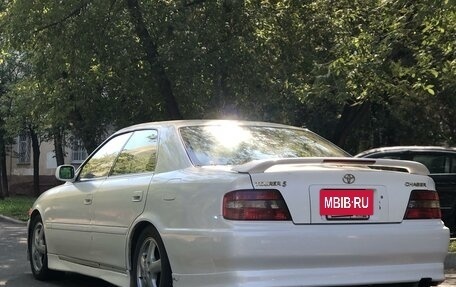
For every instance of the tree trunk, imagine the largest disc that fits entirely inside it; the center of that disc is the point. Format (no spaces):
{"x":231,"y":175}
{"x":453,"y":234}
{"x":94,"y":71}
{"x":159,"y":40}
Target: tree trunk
{"x":352,"y":114}
{"x":4,"y":192}
{"x":220,"y":97}
{"x":82,"y":130}
{"x":2,"y":196}
{"x":36,"y":162}
{"x":158,"y":70}
{"x":58,"y":147}
{"x":3,"y":171}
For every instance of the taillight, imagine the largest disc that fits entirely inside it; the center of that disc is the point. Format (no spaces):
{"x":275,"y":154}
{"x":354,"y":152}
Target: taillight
{"x":255,"y":205}
{"x":423,"y":204}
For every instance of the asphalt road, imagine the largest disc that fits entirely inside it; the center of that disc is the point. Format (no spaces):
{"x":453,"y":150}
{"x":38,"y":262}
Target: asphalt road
{"x":15,"y":269}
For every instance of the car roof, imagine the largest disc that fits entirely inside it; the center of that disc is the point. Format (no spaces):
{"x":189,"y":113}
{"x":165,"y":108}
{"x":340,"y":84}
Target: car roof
{"x":407,"y":148}
{"x":183,"y":123}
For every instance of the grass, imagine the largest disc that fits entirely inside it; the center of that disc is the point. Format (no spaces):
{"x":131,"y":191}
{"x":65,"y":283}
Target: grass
{"x":452,"y":247}
{"x":16,"y":207}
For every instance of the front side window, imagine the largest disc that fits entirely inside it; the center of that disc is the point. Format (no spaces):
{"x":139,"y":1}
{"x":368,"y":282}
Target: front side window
{"x":237,"y":144}
{"x":139,"y":154}
{"x":100,"y":164}
{"x":388,"y":156}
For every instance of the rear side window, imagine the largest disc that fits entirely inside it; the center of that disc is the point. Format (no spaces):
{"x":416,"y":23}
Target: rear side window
{"x":139,"y":155}
{"x":453,"y":164}
{"x":437,"y":162}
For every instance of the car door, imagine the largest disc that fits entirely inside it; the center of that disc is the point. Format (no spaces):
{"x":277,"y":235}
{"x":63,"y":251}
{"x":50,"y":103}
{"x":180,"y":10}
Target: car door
{"x":121,"y":199}
{"x":71,"y":212}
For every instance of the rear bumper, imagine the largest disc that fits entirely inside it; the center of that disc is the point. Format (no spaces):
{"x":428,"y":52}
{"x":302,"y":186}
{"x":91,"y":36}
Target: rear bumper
{"x":286,"y":255}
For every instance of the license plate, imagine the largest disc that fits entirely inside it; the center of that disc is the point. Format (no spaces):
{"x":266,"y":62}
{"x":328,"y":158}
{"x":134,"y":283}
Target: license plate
{"x":347,"y":202}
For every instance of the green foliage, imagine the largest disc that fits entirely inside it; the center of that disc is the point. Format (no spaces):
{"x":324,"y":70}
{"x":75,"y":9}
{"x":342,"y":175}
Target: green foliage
{"x":362,"y":73}
{"x":396,"y":57}
{"x":452,"y":246}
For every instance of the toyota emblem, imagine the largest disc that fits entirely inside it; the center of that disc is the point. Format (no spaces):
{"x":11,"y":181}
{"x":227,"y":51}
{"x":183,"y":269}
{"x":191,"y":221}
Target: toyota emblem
{"x":348,"y":178}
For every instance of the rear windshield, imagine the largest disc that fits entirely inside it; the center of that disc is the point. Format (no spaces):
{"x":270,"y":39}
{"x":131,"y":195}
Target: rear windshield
{"x":233,"y":145}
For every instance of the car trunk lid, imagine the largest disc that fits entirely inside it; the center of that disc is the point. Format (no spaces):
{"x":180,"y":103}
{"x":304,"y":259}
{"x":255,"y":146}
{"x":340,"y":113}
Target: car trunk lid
{"x":341,"y":190}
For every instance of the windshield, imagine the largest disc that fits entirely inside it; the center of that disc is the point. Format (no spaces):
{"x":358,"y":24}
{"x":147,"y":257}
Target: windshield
{"x":237,"y":144}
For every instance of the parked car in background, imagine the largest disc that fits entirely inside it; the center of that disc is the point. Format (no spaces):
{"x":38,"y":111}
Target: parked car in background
{"x":441,"y":163}
{"x":235,"y":203}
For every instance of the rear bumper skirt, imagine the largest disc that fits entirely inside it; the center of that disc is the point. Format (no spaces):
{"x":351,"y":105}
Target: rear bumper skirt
{"x":282,"y":254}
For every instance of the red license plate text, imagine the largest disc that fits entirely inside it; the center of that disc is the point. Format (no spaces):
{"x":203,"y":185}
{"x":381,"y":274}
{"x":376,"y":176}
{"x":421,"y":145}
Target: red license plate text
{"x":346,"y":202}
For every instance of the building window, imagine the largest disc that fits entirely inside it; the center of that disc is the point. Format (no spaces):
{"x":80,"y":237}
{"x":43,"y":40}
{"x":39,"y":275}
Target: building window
{"x":24,"y":149}
{"x":79,"y":154}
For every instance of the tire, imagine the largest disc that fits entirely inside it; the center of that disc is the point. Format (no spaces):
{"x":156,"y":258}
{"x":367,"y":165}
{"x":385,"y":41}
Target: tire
{"x":38,"y":251}
{"x":150,"y":265}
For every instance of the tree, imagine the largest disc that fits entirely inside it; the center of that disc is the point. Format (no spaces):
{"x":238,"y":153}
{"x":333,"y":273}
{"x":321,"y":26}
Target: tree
{"x":11,"y":69}
{"x":388,"y":63}
{"x":152,"y":57}
{"x":357,"y":72}
{"x":87,"y":76}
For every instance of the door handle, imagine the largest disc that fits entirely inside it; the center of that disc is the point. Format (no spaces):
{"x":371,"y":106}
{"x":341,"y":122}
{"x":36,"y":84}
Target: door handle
{"x":137,"y":196}
{"x":88,"y":199}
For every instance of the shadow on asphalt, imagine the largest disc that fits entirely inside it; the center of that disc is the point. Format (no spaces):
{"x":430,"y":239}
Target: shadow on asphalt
{"x":66,"y":280}
{"x":77,"y":280}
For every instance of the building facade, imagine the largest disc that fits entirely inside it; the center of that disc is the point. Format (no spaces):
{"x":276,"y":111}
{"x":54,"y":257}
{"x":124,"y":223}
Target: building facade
{"x":20,"y":164}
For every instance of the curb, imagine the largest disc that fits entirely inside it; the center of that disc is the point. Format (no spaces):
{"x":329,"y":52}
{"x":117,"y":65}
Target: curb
{"x":12,"y":220}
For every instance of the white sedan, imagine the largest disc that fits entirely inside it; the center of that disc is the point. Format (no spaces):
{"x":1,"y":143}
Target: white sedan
{"x":238,"y":204}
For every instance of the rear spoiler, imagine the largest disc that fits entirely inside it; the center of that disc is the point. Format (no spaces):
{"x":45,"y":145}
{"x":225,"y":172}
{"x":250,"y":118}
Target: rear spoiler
{"x":260,"y":166}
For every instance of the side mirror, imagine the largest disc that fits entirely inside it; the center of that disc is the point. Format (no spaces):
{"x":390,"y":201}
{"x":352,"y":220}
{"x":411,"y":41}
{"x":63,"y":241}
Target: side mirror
{"x":65,"y":173}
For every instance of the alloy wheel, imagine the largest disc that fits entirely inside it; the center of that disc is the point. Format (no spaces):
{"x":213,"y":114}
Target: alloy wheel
{"x":38,"y":247}
{"x":149,"y":264}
